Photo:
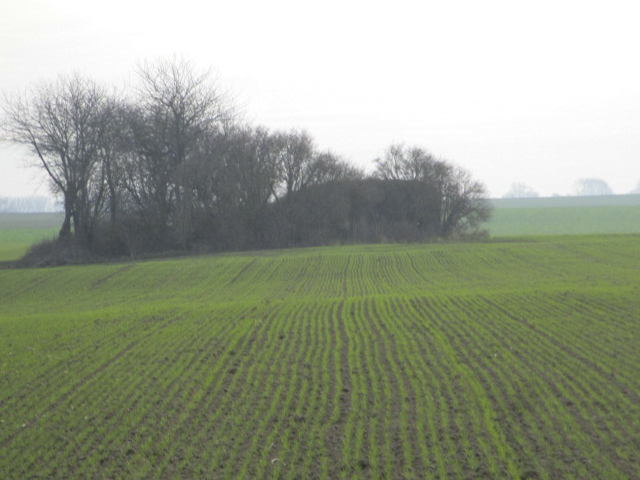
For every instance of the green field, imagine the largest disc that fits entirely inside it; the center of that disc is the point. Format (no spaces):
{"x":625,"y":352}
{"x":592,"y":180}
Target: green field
{"x":514,"y":359}
{"x":565,"y":215}
{"x":20,"y":230}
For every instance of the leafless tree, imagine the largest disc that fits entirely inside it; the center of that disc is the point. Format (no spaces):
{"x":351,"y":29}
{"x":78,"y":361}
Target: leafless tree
{"x":463,"y":201}
{"x":301,"y":165}
{"x":175,"y":108}
{"x":402,"y":163}
{"x":520,"y":190}
{"x":329,"y":167}
{"x":295,"y":156}
{"x":449,"y":194}
{"x":64,"y":124}
{"x":252,"y":174}
{"x":592,"y":186}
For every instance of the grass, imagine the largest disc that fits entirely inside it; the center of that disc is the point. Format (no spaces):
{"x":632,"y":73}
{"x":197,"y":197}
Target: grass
{"x":514,"y":359}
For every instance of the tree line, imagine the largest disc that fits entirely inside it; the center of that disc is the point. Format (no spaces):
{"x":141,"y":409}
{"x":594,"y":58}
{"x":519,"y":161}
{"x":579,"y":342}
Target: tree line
{"x":170,"y":165}
{"x":583,"y":187}
{"x":28,"y":205}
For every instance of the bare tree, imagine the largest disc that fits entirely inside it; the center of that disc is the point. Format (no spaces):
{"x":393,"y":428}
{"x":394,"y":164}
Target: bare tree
{"x":463,"y":201}
{"x":183,"y":103}
{"x":329,"y":167}
{"x":295,"y":156}
{"x":520,"y":190}
{"x":402,"y":163}
{"x":592,"y":186}
{"x":452,"y":201}
{"x":252,"y":174}
{"x":64,"y":124}
{"x":175,"y":109}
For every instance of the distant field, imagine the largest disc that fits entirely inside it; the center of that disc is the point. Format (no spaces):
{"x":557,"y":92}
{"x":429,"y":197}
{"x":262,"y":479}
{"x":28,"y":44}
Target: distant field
{"x":517,"y":359}
{"x":29,"y":222}
{"x":20,"y":230}
{"x":569,"y":202}
{"x":566,"y":216}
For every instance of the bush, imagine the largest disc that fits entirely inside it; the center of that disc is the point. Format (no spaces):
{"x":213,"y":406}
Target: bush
{"x":57,"y":252}
{"x":110,"y":241}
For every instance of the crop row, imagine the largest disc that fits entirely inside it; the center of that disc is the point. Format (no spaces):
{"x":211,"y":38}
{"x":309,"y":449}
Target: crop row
{"x":323,"y":273}
{"x":440,"y":361}
{"x":436,"y":386}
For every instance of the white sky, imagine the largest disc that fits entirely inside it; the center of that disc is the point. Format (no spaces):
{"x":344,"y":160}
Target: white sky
{"x":541,"y":92}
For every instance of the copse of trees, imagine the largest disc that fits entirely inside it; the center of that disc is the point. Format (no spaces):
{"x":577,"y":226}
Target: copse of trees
{"x":171,"y":166}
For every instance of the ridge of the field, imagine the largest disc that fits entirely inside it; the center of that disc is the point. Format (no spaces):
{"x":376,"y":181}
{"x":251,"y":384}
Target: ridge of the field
{"x":505,"y":359}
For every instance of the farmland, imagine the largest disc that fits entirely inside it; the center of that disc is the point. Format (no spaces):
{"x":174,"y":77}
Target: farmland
{"x":494,"y":360}
{"x":566,"y":215}
{"x":19,"y":230}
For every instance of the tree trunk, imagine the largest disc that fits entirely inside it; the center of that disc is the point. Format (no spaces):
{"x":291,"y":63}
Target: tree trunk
{"x":65,"y":230}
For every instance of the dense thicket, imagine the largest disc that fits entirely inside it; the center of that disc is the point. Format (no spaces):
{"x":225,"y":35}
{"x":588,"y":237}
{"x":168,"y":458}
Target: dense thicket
{"x":169,"y":166}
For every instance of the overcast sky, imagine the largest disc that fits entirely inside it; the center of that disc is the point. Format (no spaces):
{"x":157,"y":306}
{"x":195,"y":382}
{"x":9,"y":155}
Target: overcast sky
{"x":542,"y":92}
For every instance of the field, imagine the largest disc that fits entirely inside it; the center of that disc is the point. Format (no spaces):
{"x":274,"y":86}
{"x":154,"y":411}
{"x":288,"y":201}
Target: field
{"x":20,"y":230}
{"x":566,"y":215}
{"x":514,"y":359}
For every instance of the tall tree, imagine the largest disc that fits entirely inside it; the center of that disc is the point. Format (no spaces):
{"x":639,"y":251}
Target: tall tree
{"x":295,"y":156}
{"x":175,"y":108}
{"x":64,"y":123}
{"x":252,"y":163}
